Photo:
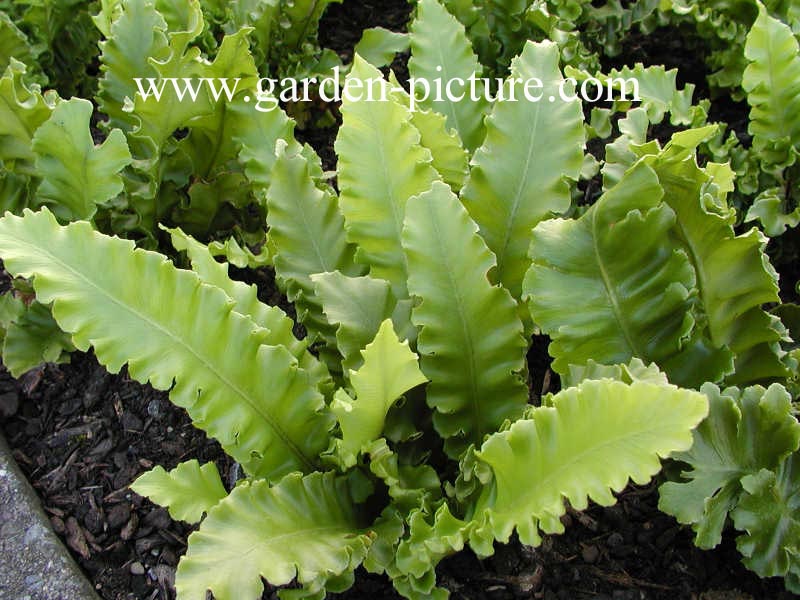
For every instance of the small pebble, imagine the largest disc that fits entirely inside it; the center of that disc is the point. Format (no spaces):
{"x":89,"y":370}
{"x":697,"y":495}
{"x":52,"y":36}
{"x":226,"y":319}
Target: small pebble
{"x":154,"y":408}
{"x":614,"y":540}
{"x":590,"y":554}
{"x":137,"y":568}
{"x":9,"y":404}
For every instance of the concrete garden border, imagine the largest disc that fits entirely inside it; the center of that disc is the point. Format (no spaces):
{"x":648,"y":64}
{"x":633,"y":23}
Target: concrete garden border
{"x":34,"y":564}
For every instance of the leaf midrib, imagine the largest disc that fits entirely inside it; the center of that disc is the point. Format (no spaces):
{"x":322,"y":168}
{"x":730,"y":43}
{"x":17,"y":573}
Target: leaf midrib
{"x":290,"y":445}
{"x":502,"y":259}
{"x":611,"y":293}
{"x":466,"y":330}
{"x":649,"y":430}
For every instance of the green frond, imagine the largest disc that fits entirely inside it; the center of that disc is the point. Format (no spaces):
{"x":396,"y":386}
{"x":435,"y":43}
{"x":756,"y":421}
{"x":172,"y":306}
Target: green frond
{"x":381,"y":165}
{"x":470,"y":342}
{"x":746,"y":431}
{"x":306,"y":234}
{"x":389,"y":370}
{"x":76,"y":174}
{"x":610,"y":285}
{"x":521,"y":174}
{"x":440,"y":50}
{"x":772,"y":83}
{"x":304,"y":527}
{"x":256,"y":401}
{"x":189,"y":490}
{"x":587,"y":444}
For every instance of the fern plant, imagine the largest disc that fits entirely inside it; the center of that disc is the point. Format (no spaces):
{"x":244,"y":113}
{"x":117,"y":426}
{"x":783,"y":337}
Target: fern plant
{"x":771,"y":80}
{"x":653,"y":269}
{"x":452,"y":234}
{"x":410,"y":292}
{"x":315,"y":453}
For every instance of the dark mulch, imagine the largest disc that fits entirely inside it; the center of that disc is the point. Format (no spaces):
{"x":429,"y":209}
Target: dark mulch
{"x":82,"y":436}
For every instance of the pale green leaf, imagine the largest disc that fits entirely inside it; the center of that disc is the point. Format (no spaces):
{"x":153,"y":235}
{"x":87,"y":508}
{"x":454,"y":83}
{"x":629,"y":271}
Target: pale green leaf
{"x":379,"y":46}
{"x":768,"y":209}
{"x":212,"y":142}
{"x":137,"y":33}
{"x":636,"y":370}
{"x":240,"y":255}
{"x":522,"y":172}
{"x":772,"y":83}
{"x":586,"y":445}
{"x":257,"y":133}
{"x":734,"y":277}
{"x":155,"y":119}
{"x":261,"y":407}
{"x":470,"y":342}
{"x":358,"y":306}
{"x":32,"y":338}
{"x":441,"y":51}
{"x":278,"y":324}
{"x":13,"y":43}
{"x":410,"y":486}
{"x":189,"y":490}
{"x":76,"y":174}
{"x":22,"y":110}
{"x":306,"y":233}
{"x":620,"y":155}
{"x":745,"y":431}
{"x":109,"y":11}
{"x":424,"y":546}
{"x":611,"y":286}
{"x":381,"y":165}
{"x":389,"y":370}
{"x":208,"y":200}
{"x":769,"y":514}
{"x":450,"y":159}
{"x":655,"y":87}
{"x":303,"y":527}
{"x":151,"y":43}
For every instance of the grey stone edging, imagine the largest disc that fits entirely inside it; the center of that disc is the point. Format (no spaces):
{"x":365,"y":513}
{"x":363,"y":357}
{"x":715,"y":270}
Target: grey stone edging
{"x":34,"y":564}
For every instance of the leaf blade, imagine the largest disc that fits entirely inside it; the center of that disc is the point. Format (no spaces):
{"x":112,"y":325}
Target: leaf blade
{"x":520,"y":174}
{"x":470,"y":341}
{"x":304,"y":527}
{"x":189,"y":490}
{"x":271,"y":429}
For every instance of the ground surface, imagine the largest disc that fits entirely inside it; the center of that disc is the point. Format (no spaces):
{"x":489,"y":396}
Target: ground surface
{"x":82,"y":435}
